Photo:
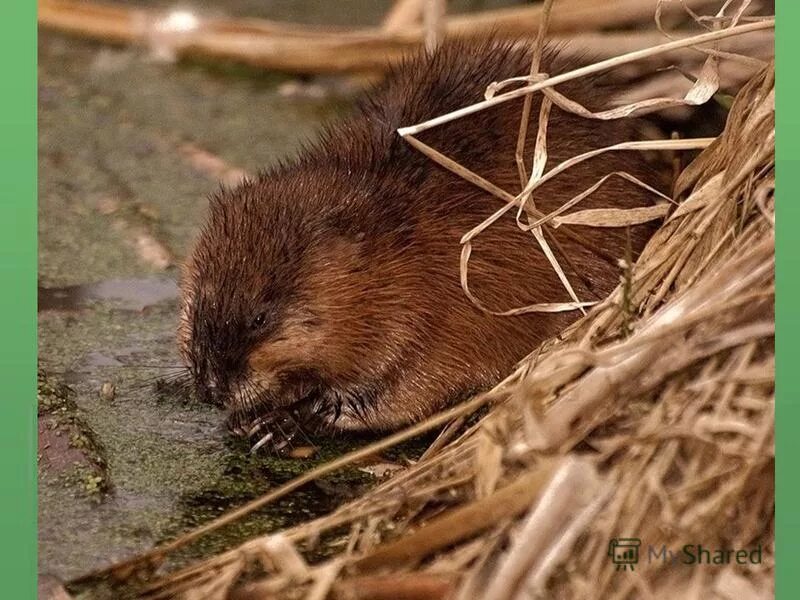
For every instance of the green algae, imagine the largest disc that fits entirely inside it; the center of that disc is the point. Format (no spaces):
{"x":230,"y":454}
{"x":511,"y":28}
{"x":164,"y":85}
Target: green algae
{"x":83,"y":471}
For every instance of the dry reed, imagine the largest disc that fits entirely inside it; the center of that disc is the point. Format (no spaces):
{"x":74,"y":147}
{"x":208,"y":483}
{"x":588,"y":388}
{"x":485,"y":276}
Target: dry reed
{"x":311,"y":49}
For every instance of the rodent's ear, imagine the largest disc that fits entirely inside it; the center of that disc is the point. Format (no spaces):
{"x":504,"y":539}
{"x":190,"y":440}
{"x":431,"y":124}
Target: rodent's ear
{"x":226,"y":211}
{"x":234,"y":207}
{"x":347,"y":245}
{"x":224,"y":198}
{"x":340,"y":251}
{"x":218,"y":203}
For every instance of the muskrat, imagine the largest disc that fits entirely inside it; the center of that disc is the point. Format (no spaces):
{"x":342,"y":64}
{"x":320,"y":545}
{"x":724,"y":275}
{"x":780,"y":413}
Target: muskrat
{"x":324,"y":293}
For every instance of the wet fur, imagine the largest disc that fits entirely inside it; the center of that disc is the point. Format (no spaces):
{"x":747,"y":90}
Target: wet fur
{"x":351,"y":250}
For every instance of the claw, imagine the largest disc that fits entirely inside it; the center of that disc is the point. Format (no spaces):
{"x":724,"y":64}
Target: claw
{"x":259,"y":423}
{"x":278,"y":429}
{"x":261,"y":442}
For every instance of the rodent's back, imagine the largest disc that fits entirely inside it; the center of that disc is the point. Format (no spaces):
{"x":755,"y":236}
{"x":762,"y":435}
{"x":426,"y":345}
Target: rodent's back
{"x":458,"y":74}
{"x":434,"y":208}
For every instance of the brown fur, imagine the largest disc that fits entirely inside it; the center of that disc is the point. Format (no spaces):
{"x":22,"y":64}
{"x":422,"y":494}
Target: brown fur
{"x":351,"y":253}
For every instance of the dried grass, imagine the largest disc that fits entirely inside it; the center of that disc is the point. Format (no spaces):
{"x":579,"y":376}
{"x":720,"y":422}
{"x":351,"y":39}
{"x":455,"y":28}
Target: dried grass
{"x":651,"y":417}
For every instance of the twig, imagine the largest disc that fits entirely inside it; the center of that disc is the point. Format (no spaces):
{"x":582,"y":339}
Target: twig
{"x":526,"y":107}
{"x":461,"y":523}
{"x":403,"y":14}
{"x":433,"y":21}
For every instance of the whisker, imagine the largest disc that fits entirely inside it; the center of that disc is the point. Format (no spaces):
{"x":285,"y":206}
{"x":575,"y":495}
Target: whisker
{"x":298,"y":428}
{"x":159,"y":379}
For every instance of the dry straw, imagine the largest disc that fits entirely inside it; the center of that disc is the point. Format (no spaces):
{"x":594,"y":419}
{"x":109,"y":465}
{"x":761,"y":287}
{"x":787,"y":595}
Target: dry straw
{"x":651,"y":417}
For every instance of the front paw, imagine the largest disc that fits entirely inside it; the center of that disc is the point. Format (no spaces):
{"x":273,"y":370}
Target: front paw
{"x":276,"y":431}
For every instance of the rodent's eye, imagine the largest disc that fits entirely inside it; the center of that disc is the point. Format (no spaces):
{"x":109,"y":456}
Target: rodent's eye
{"x":259,"y":321}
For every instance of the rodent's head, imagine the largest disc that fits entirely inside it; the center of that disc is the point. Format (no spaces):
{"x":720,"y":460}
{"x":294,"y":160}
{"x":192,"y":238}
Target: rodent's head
{"x":273,"y":302}
{"x":251,"y":331}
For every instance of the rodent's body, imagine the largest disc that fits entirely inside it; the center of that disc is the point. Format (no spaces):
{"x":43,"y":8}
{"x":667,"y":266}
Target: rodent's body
{"x":328,"y":288}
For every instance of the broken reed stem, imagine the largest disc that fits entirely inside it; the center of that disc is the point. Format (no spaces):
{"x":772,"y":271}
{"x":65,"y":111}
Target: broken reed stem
{"x":461,"y":523}
{"x":574,"y":490}
{"x":540,"y":159}
{"x":434,"y":23}
{"x":526,"y":107}
{"x":599,"y":67}
{"x":400,"y":586}
{"x":403,"y":14}
{"x":410,"y":586}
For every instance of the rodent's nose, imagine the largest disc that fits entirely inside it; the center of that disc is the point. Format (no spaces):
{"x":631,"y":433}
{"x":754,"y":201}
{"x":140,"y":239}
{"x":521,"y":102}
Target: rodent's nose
{"x":214,"y":391}
{"x":210,"y":391}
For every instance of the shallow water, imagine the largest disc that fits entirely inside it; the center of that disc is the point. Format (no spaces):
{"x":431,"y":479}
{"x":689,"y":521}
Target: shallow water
{"x":131,"y":294}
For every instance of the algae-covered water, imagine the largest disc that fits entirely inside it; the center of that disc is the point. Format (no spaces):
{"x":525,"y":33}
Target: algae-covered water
{"x":129,"y":150}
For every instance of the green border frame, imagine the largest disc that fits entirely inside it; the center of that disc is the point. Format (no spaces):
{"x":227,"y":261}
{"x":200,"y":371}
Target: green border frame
{"x":787,"y":417}
{"x":18,"y":161}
